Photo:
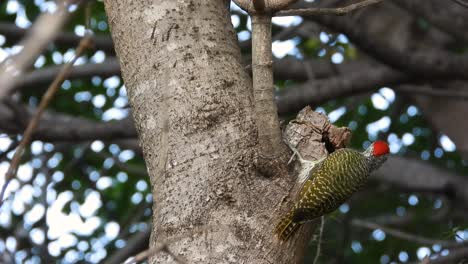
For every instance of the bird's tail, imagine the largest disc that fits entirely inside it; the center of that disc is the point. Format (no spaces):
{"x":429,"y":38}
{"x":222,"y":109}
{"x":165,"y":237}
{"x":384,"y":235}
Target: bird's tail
{"x":286,"y":227}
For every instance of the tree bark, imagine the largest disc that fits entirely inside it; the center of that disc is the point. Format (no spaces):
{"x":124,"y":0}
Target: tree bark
{"x":191,"y":101}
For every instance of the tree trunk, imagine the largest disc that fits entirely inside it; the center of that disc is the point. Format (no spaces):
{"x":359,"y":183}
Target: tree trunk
{"x":192,"y":105}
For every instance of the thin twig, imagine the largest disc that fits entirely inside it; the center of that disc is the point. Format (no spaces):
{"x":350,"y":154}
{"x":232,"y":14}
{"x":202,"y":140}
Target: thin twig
{"x":338,"y":11}
{"x":85,"y":43}
{"x":407,"y":236}
{"x":319,"y":243}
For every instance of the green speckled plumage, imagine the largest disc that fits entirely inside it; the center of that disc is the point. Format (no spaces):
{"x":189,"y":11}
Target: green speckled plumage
{"x":330,"y":184}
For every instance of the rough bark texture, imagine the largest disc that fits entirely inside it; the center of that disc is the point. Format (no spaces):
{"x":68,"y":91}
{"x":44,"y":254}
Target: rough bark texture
{"x":191,"y":101}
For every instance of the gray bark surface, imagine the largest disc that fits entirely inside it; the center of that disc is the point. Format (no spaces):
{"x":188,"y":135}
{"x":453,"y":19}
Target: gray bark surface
{"x":192,"y":105}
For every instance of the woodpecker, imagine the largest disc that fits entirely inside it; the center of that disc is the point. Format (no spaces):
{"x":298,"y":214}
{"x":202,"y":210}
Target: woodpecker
{"x":329,"y":183}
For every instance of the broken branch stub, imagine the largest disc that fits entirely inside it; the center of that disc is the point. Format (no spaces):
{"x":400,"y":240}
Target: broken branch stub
{"x":312,"y":134}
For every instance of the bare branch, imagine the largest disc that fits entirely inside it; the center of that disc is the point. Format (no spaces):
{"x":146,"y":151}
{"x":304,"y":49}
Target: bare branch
{"x":27,"y":136}
{"x":339,"y":11}
{"x":407,"y":236}
{"x":42,"y":32}
{"x":14,"y":33}
{"x":461,"y":2}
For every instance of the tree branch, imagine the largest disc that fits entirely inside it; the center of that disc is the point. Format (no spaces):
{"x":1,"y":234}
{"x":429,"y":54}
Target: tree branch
{"x":406,"y":236}
{"x":27,"y":136}
{"x":339,"y":11}
{"x":39,"y":36}
{"x":14,"y":33}
{"x":423,"y":62}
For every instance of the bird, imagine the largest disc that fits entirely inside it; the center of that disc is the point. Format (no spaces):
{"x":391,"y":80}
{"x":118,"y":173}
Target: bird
{"x":330,"y":182}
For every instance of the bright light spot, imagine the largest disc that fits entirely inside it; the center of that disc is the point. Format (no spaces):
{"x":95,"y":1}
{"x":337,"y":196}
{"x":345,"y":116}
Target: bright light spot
{"x":235,"y":20}
{"x":423,"y":252}
{"x":447,"y":144}
{"x":98,"y":57}
{"x":141,"y":185}
{"x":57,"y":57}
{"x":112,"y":230}
{"x":97,"y":146}
{"x":320,"y":110}
{"x":121,"y":102}
{"x":388,"y":93}
{"x":403,"y":256}
{"x":54,"y":248}
{"x":35,"y":214}
{"x":122,"y":176}
{"x":337,"y":58}
{"x":407,"y":139}
{"x":82,"y":246}
{"x":461,"y":236}
{"x":114,"y":114}
{"x":438,"y":153}
{"x":12,"y":7}
{"x":37,"y":236}
{"x":136,"y":198}
{"x":444,"y":252}
{"x":356,"y":246}
{"x":437,"y":203}
{"x":22,"y":20}
{"x":25,"y":172}
{"x":342,"y":39}
{"x":4,"y":142}
{"x":96,"y":80}
{"x":58,"y":176}
{"x":379,"y":102}
{"x":378,"y":235}
{"x":40,"y":61}
{"x":380,"y":125}
{"x":249,"y":23}
{"x":11,"y":244}
{"x":287,"y":21}
{"x":3,"y":55}
{"x":235,"y":7}
{"x":324,"y":37}
{"x":436,"y":247}
{"x":412,"y":110}
{"x":67,"y":240}
{"x":243,"y":35}
{"x":91,"y":204}
{"x":282,"y":48}
{"x":48,"y":6}
{"x":83,"y":96}
{"x":99,"y":101}
{"x":55,"y":160}
{"x":126,"y":155}
{"x":80,"y":30}
{"x":413,"y":200}
{"x":104,"y":183}
{"x":336,"y":114}
{"x":2,"y":40}
{"x":112,"y":82}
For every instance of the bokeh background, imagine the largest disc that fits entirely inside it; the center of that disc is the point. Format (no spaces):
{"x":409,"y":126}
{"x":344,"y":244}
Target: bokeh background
{"x":82,"y":192}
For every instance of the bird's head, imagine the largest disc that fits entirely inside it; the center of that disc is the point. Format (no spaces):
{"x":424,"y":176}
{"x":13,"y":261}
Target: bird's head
{"x":377,"y":154}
